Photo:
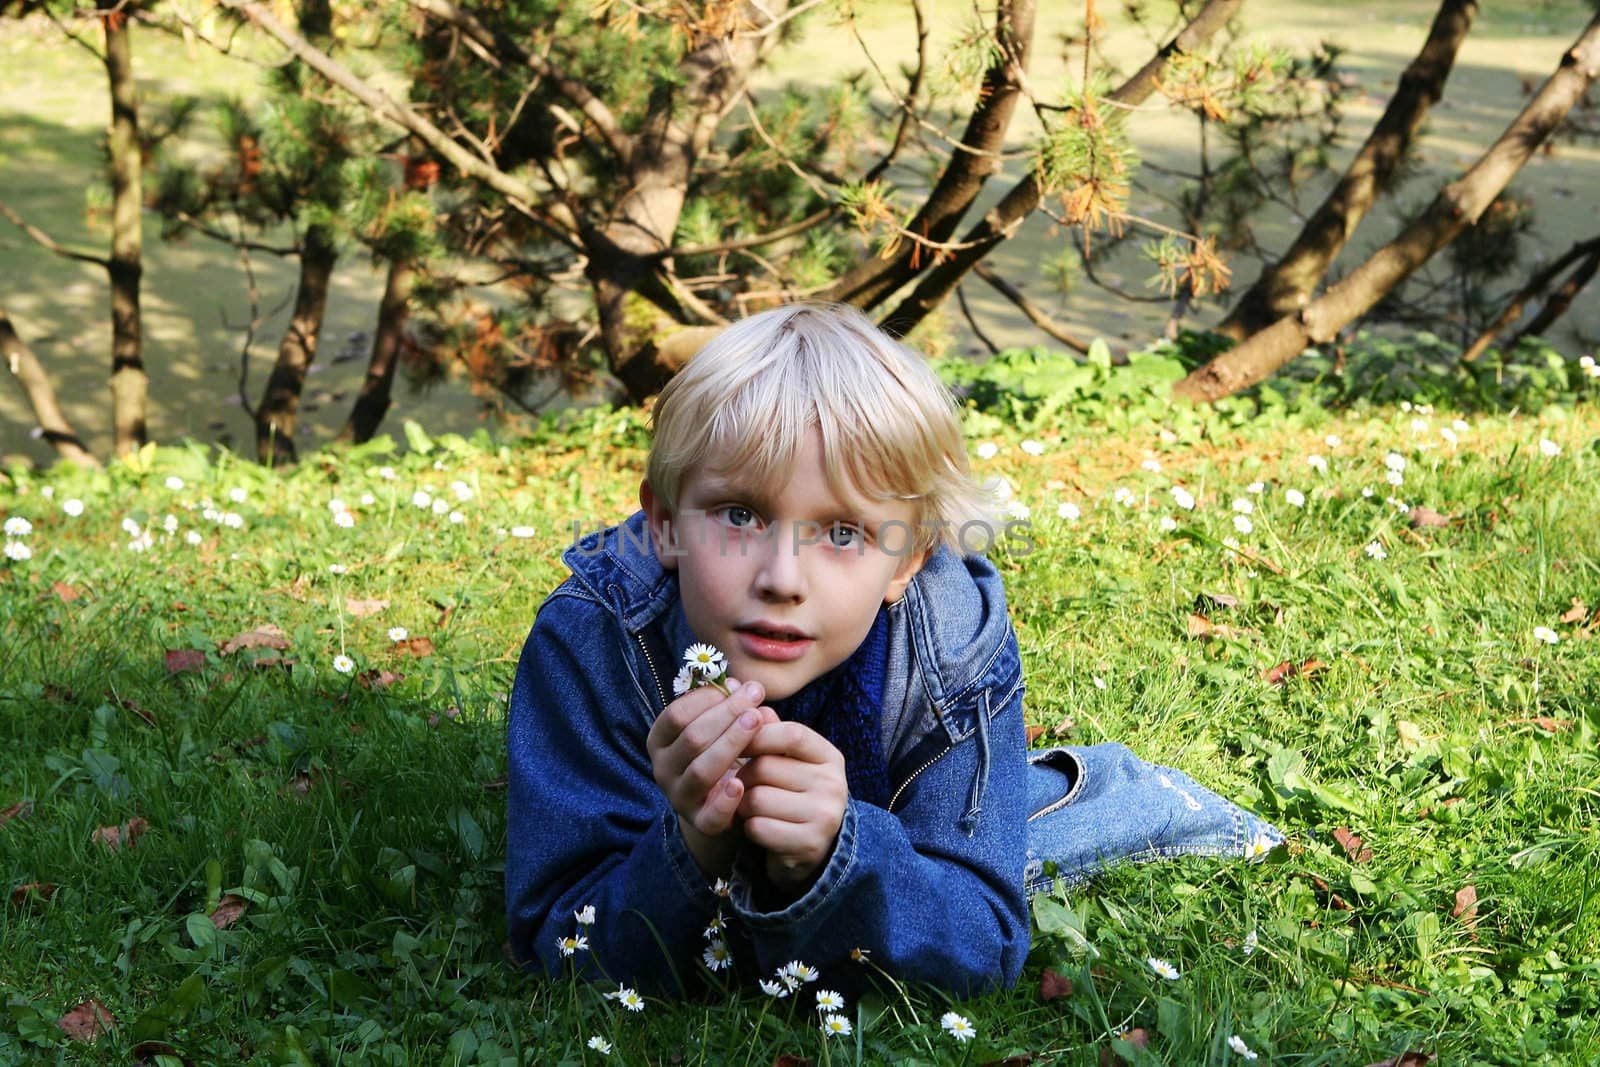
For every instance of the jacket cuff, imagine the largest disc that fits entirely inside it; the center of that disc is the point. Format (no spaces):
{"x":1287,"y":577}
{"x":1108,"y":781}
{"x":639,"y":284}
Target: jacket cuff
{"x":815,"y":901}
{"x":684,"y":866}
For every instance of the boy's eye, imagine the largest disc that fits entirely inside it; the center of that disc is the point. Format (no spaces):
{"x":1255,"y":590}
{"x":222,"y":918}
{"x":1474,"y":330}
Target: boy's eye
{"x":842,"y":536}
{"x":738,"y":516}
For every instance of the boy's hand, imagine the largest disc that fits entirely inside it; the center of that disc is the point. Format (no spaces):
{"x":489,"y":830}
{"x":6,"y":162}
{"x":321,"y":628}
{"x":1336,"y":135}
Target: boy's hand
{"x":695,"y":746}
{"x":794,"y":800}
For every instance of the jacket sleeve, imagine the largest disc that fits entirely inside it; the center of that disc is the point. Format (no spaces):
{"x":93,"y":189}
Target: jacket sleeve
{"x":933,"y":891}
{"x":586,"y":822}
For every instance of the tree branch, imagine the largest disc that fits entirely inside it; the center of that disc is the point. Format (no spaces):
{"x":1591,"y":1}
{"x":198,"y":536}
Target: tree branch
{"x":520,"y":194}
{"x":736,"y":244}
{"x":49,"y":242}
{"x":1536,"y":285}
{"x":584,"y":98}
{"x":1034,"y":313}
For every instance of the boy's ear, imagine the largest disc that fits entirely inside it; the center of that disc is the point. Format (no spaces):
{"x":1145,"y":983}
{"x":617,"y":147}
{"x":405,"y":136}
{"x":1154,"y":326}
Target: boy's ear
{"x":902,"y":577}
{"x":661,"y":525}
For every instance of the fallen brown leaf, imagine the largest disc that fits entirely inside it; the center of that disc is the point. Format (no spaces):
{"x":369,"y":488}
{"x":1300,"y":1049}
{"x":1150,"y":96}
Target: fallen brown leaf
{"x":1053,"y":986}
{"x":229,"y":910}
{"x":124,"y":836}
{"x":1420,"y":516}
{"x":1352,"y":845}
{"x":87,"y":1021}
{"x":1466,"y":908}
{"x":20,"y":810}
{"x":181,"y":660}
{"x":1577,"y":613}
{"x":264,"y":636}
{"x":1036,"y":732}
{"x":378,"y":678}
{"x":362,"y":608}
{"x":1406,"y":1059}
{"x":1139,"y":1038}
{"x":65,"y":591}
{"x":32,"y":891}
{"x":415,"y":646}
{"x":1289,"y":669}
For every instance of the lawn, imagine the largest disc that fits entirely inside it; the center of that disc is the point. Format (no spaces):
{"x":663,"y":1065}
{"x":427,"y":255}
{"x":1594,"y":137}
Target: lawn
{"x":251,"y":752}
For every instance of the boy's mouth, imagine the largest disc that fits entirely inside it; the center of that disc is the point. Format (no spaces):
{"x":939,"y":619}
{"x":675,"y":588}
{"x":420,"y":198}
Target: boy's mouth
{"x":773,"y":633}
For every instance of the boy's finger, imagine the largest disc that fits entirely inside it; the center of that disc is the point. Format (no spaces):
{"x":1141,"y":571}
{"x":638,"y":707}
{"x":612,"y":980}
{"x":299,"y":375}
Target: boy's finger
{"x":707,"y":766}
{"x":679,"y":715}
{"x":794,"y":740}
{"x":780,"y":772}
{"x":721,"y":804}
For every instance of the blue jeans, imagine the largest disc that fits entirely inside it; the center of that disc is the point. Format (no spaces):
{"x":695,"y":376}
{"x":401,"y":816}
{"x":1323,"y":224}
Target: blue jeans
{"x":1100,"y":805}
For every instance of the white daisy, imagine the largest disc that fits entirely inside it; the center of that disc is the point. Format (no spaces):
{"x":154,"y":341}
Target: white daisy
{"x":683,"y":681}
{"x":174,"y":483}
{"x":585,"y":915}
{"x":336,"y":505}
{"x":571,"y":945}
{"x":72,"y":506}
{"x":1243,"y":524}
{"x":422,"y":499}
{"x":836,"y":1024}
{"x":958,"y":1026}
{"x":1069,"y":511}
{"x":1395,"y":478}
{"x":1033,"y":448}
{"x":193,"y":537}
{"x":343,"y":664}
{"x":16,"y":551}
{"x":1375,"y":550}
{"x":462,"y":491}
{"x":1152,"y":465}
{"x":398,"y":633}
{"x":17,"y":526}
{"x":1183,"y":498}
{"x":456,"y":518}
{"x":1549,"y":447}
{"x":522,"y":532}
{"x":1244,"y":506}
{"x":1124,"y":496}
{"x":1317,"y":463}
{"x":801,"y":972}
{"x":336,"y":568}
{"x":343,"y":519}
{"x":1168,"y":524}
{"x":1460,"y":426}
{"x":238,"y":494}
{"x":600,"y":1045}
{"x":441,"y":506}
{"x":777,"y":989}
{"x":1333,"y":440}
{"x":387,"y":474}
{"x":1448,"y":434}
{"x":716,"y":956}
{"x":829,"y":1001}
{"x":1251,"y":943}
{"x":1395,"y":461}
{"x":629,"y":999}
{"x":987,"y":450}
{"x":1256,"y":487}
{"x":1162,"y":968}
{"x":1237,"y":1044}
{"x":703,"y":658}
{"x":1545,"y":634}
{"x":1295,"y":498}
{"x":233,"y":520}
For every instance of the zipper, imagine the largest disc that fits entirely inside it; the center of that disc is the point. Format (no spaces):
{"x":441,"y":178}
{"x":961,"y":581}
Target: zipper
{"x":913,"y":776}
{"x":650,"y":662}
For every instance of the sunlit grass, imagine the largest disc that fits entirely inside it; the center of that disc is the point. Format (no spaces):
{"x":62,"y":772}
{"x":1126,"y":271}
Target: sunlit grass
{"x":360,"y":816}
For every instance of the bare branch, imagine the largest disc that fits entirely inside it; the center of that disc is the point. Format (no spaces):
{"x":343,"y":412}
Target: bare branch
{"x":1029,"y":308}
{"x":972,"y":323}
{"x":755,"y":242}
{"x":50,"y":242}
{"x":912,"y":91}
{"x":1536,"y":285}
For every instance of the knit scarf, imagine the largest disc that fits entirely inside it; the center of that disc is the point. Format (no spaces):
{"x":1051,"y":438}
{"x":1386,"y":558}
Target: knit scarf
{"x":846,"y":706}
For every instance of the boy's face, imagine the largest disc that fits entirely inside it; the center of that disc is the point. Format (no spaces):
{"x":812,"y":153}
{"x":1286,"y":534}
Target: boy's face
{"x":753,"y":559}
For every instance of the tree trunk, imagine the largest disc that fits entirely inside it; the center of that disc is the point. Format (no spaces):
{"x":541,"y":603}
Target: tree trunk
{"x":625,"y":255}
{"x":1536,"y":285}
{"x":275,"y":415}
{"x":129,"y":383}
{"x":25,"y":367}
{"x":1286,"y":285}
{"x":875,"y":278}
{"x":366,"y":415}
{"x":1457,"y":206}
{"x":1002,"y":220}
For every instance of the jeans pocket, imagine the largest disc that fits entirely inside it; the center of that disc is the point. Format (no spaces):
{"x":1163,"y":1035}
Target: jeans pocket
{"x":1122,"y":809}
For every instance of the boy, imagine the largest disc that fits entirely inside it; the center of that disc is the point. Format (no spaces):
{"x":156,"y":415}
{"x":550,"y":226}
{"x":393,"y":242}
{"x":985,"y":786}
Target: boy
{"x":864,"y":782}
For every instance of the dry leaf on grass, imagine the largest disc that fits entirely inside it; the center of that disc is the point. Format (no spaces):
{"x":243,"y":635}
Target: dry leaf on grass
{"x":1138,"y":1037}
{"x":362,"y":608}
{"x":1466,"y":908}
{"x":1289,"y":669}
{"x":415,"y":646}
{"x":65,"y":591}
{"x":264,"y":636}
{"x":20,"y":810}
{"x":124,"y":836}
{"x":87,"y":1021}
{"x":1352,"y":844}
{"x":1036,"y":732}
{"x":1052,"y":986}
{"x":1406,"y":1059}
{"x":229,"y":910}
{"x":183,"y":660}
{"x":32,"y":891}
{"x":1420,"y":516}
{"x":1577,"y":613}
{"x":378,"y":679}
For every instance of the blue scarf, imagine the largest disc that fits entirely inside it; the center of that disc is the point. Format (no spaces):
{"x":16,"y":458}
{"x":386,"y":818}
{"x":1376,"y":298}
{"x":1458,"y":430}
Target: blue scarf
{"x":846,"y":706}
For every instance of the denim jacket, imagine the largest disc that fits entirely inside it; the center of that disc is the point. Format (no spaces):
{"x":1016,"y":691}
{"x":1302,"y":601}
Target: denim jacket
{"x":931,"y":887}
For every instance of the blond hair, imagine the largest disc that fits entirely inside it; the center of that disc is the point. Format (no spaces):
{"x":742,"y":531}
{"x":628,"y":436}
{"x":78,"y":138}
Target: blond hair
{"x":747,"y":401}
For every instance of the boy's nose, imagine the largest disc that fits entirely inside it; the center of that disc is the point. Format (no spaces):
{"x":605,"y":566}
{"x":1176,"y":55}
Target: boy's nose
{"x":780,"y":576}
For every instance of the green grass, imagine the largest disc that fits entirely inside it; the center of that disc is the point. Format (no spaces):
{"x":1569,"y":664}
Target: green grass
{"x":365,"y":826}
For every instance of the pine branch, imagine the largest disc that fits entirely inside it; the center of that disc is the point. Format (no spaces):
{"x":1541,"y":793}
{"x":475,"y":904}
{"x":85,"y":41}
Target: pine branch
{"x":1034,"y":313}
{"x":50,"y":242}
